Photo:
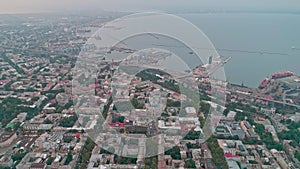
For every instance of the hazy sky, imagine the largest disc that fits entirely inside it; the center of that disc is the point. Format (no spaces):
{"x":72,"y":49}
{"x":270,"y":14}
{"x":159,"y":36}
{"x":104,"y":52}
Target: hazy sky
{"x":33,"y":6}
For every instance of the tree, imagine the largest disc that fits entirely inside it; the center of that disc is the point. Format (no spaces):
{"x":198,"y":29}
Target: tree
{"x":290,"y":135}
{"x":118,"y":119}
{"x":267,"y":138}
{"x":190,"y":163}
{"x":297,"y":155}
{"x":85,"y":154}
{"x":190,"y":145}
{"x":202,"y":121}
{"x":192,"y":135}
{"x":69,"y":158}
{"x":135,"y":103}
{"x":225,"y":112}
{"x":204,"y":107}
{"x":165,"y":114}
{"x":67,"y":139}
{"x":68,"y":121}
{"x":18,"y":156}
{"x":49,"y":160}
{"x":114,"y":108}
{"x":17,"y":125}
{"x":218,"y":154}
{"x":47,"y":121}
{"x":174,"y":153}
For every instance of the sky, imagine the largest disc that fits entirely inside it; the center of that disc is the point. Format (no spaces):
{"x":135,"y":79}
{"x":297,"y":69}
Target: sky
{"x":36,"y":6}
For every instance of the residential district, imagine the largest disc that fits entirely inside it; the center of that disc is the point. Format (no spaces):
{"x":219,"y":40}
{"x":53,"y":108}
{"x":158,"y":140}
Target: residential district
{"x":148,"y":119}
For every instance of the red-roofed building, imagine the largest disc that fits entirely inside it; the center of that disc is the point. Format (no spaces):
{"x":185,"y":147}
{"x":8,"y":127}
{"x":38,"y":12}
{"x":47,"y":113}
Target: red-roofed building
{"x":208,"y":91}
{"x":53,"y":101}
{"x":48,"y":85}
{"x":182,"y":128}
{"x":176,"y":95}
{"x":162,"y":164}
{"x":231,"y":156}
{"x":77,"y":135}
{"x":268,"y":97}
{"x":260,"y":116}
{"x":94,"y":86}
{"x":4,"y":81}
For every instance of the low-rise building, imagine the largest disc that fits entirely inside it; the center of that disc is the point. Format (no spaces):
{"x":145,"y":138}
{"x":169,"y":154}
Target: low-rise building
{"x":38,"y":166}
{"x":6,"y":161}
{"x":29,"y":126}
{"x":6,"y":138}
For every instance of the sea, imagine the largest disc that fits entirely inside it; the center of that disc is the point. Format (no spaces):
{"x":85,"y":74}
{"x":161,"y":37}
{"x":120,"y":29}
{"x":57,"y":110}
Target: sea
{"x":260,"y":44}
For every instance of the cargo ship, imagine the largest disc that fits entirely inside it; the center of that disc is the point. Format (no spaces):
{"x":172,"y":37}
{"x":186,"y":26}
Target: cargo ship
{"x":264,"y":83}
{"x":282,"y":75}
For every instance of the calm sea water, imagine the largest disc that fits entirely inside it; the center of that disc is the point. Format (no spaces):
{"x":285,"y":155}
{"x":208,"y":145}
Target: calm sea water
{"x":273,"y":33}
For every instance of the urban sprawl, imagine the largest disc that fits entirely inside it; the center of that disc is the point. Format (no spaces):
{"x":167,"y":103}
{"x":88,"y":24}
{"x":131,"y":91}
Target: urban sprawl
{"x":148,"y":119}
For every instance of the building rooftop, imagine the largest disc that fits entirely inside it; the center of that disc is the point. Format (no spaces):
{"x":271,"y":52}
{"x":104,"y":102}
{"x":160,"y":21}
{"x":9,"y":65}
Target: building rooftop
{"x":5,"y":136}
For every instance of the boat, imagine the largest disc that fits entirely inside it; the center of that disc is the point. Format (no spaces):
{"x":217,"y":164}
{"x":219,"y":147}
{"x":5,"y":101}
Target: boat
{"x":282,"y":75}
{"x":264,"y":83}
